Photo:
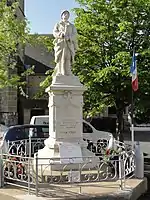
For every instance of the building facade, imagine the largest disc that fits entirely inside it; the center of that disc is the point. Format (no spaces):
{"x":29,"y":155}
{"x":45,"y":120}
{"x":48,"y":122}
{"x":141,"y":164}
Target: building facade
{"x":17,"y":107}
{"x":8,"y":96}
{"x":28,"y":106}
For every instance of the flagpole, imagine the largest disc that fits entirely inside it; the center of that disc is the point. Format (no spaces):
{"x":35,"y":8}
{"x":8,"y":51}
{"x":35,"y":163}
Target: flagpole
{"x":133,"y":71}
{"x":132,"y":118}
{"x":132,"y":107}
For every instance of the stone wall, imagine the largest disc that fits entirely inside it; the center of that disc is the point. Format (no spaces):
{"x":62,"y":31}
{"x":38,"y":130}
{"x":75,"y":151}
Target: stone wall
{"x":9,"y":118}
{"x":8,"y":106}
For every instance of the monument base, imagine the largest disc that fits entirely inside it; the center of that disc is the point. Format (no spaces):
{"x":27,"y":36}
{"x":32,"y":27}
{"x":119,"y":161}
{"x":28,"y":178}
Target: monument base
{"x":58,"y":154}
{"x":65,"y":148}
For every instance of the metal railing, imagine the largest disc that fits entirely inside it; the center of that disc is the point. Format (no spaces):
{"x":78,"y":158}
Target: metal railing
{"x":20,"y":168}
{"x":73,"y":174}
{"x":100,"y":147}
{"x":35,"y":173}
{"x":31,"y":146}
{"x":27,"y":147}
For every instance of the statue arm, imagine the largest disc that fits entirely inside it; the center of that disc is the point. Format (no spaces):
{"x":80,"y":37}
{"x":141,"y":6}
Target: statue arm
{"x":56,"y":33}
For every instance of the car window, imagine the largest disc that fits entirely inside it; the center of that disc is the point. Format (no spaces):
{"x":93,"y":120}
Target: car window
{"x":45,"y":131}
{"x":27,"y":131}
{"x":15,"y":134}
{"x":87,"y":128}
{"x":22,"y":133}
{"x":42,"y":132}
{"x":39,"y":132}
{"x":33,"y":132}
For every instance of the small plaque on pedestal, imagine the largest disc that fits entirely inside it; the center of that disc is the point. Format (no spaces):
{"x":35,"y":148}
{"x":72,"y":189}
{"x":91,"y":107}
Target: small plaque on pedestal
{"x":70,"y":153}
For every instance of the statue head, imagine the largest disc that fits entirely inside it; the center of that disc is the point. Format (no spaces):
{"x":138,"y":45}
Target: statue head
{"x":65,"y":15}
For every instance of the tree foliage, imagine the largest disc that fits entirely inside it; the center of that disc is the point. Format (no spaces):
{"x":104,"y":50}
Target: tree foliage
{"x":14,"y":34}
{"x":108,"y":32}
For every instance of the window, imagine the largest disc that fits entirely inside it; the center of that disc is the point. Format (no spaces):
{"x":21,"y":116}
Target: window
{"x":23,"y":133}
{"x":45,"y":132}
{"x":39,"y":132}
{"x":87,"y":128}
{"x":15,"y":134}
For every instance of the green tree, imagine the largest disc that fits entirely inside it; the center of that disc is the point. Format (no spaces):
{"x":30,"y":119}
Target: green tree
{"x":108,"y":32}
{"x":14,"y":34}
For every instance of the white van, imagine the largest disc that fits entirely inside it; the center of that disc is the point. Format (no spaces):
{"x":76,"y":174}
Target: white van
{"x":89,"y":132}
{"x":40,"y":120}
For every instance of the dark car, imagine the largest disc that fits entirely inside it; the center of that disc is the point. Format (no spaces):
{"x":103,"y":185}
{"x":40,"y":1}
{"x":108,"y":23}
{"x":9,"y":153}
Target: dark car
{"x":15,"y":139}
{"x":21,"y":132}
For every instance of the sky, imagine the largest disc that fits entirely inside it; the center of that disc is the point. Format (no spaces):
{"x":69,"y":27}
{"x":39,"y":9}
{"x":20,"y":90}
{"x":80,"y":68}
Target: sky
{"x":44,"y":14}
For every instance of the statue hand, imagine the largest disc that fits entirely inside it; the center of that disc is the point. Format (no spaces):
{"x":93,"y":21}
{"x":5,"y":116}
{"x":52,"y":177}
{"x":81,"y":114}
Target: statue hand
{"x":61,"y":35}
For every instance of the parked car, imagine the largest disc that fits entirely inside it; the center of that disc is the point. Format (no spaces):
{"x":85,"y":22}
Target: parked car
{"x":13,"y":135}
{"x":89,"y":132}
{"x":20,"y":132}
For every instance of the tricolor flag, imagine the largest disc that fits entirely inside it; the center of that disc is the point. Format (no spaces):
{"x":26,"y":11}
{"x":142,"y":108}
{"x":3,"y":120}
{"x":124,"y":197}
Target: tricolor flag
{"x":133,"y":70}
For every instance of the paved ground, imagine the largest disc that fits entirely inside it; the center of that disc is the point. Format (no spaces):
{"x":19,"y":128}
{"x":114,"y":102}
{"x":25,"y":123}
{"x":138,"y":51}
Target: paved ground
{"x":10,"y":192}
{"x":6,"y":197}
{"x":90,"y":191}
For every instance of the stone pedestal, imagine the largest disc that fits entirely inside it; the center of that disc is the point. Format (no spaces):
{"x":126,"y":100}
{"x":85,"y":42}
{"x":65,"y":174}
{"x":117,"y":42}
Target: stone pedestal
{"x":65,"y":143}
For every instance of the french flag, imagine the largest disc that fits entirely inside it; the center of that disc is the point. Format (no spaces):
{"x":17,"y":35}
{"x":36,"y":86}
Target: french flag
{"x":133,"y":70}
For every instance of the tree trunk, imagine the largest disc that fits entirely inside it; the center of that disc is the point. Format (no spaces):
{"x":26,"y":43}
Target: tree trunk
{"x":120,"y":125}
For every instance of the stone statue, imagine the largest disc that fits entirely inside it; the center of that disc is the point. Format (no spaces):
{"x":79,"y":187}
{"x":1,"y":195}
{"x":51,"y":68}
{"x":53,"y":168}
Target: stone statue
{"x":65,"y":45}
